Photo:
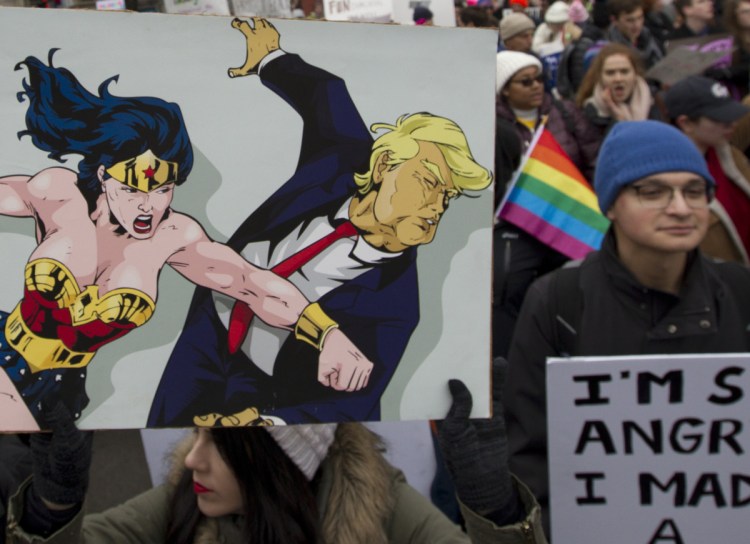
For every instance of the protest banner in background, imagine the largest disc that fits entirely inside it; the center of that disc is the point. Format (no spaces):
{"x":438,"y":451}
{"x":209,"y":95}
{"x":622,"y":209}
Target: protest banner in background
{"x":692,"y":56}
{"x":444,"y":14}
{"x":649,"y":449}
{"x":263,"y":8}
{"x":372,"y":11}
{"x":197,"y":7}
{"x":420,"y":315}
{"x":712,"y":43}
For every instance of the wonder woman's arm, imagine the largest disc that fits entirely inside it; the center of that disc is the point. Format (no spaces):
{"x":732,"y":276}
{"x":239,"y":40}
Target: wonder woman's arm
{"x":273,"y":299}
{"x":14,"y":194}
{"x":38,"y":195}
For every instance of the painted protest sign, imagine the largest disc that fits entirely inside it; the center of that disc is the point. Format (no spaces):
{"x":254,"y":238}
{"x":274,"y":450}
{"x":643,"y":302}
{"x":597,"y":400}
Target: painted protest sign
{"x":168,"y":158}
{"x":649,"y":449}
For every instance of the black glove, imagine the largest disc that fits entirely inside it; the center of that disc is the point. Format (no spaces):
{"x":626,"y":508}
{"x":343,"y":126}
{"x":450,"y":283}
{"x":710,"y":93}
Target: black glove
{"x":723,"y":74}
{"x":476,"y":453}
{"x":61,"y":459}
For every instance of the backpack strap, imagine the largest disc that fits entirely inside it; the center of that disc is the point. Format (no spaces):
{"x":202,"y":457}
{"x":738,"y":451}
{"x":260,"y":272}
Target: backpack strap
{"x":737,"y":278}
{"x":567,"y":309}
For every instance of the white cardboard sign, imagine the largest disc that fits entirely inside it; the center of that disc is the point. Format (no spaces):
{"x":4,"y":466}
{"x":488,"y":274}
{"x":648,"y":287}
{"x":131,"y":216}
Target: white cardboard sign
{"x":649,"y":449}
{"x":373,"y":11}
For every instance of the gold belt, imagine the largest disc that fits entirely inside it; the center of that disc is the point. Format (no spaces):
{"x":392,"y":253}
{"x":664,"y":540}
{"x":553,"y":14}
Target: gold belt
{"x":41,"y":353}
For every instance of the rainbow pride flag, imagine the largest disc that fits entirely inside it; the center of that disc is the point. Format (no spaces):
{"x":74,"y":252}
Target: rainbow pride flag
{"x":551,"y":200}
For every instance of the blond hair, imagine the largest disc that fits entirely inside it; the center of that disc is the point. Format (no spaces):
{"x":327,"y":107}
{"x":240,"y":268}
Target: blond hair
{"x":401,"y":143}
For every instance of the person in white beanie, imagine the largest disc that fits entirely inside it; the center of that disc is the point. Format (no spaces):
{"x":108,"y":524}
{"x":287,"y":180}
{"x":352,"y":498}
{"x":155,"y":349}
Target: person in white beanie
{"x":522,"y":101}
{"x":304,"y":484}
{"x":522,"y":105}
{"x":556,"y":31}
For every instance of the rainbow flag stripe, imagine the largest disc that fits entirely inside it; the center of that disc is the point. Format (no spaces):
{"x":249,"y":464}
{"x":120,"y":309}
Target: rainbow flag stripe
{"x":552,"y":201}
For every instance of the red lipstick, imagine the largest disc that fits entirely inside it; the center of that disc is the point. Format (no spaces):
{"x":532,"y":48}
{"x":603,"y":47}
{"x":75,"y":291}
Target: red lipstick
{"x":199,"y":489}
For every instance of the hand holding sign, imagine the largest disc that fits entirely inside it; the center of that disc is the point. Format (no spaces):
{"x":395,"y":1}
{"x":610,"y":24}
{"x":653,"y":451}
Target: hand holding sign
{"x":476,"y":452}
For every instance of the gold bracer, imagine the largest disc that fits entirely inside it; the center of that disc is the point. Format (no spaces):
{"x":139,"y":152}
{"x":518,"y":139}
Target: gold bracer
{"x":145,"y":172}
{"x":313,"y":326}
{"x":249,"y":417}
{"x":41,"y":353}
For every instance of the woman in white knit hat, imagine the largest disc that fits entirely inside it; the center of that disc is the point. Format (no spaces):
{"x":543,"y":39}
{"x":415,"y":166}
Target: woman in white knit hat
{"x":301,"y":484}
{"x":522,"y":101}
{"x":556,"y":31}
{"x":521,"y":106}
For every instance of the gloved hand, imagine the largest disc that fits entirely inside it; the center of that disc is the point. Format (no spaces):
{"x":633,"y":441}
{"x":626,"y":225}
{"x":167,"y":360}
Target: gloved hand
{"x":61,"y":459}
{"x":723,"y":73}
{"x":476,"y":453}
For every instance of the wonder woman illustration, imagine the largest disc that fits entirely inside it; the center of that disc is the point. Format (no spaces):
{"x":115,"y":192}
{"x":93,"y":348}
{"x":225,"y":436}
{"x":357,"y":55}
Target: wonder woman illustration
{"x":103,"y":235}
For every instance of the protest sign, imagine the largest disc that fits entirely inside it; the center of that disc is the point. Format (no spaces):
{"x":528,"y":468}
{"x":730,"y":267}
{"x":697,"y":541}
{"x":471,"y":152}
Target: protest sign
{"x":262,"y":157}
{"x":649,"y":449}
{"x":373,"y":11}
{"x":692,"y":56}
{"x":711,"y":43}
{"x":194,"y":7}
{"x":263,"y":8}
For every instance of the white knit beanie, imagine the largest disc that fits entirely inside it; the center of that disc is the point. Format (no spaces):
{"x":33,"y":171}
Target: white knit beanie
{"x":557,"y":13}
{"x":305,"y":445}
{"x":509,"y":63}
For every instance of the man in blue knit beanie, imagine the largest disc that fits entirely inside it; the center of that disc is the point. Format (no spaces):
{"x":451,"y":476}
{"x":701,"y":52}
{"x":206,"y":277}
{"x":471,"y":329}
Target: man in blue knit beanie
{"x":647,"y":290}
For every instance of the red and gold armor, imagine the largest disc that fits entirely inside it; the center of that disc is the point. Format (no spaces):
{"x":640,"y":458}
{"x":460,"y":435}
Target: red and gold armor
{"x":57,"y":325}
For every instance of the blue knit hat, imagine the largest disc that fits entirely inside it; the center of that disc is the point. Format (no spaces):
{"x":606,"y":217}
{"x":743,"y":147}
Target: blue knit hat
{"x":634,"y":150}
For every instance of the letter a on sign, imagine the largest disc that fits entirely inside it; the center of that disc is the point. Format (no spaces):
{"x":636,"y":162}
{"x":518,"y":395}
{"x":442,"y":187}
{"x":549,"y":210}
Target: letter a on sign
{"x":667,"y":532}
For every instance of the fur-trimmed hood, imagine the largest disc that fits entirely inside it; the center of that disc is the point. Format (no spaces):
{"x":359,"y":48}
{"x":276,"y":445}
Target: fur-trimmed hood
{"x":354,"y":490}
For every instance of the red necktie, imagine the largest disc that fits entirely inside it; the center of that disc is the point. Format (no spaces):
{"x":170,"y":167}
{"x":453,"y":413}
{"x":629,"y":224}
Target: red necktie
{"x":242,"y":315}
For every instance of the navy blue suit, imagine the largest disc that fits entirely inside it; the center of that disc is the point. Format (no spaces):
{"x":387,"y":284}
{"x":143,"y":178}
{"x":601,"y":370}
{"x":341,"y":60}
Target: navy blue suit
{"x":377,"y":310}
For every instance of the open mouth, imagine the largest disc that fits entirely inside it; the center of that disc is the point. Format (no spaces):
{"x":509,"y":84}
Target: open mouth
{"x":142,"y":224}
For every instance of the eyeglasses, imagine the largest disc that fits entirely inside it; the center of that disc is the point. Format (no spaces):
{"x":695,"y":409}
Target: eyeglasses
{"x":659,"y":196}
{"x":529,"y":81}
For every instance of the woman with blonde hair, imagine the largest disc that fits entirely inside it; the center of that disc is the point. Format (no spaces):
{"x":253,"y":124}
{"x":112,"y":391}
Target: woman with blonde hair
{"x":614,"y":89}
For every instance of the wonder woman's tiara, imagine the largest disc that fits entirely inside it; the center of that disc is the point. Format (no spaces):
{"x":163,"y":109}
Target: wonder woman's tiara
{"x":145,"y":172}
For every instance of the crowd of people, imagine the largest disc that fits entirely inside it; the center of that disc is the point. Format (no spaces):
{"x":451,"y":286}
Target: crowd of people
{"x":669,"y":166}
{"x":671,"y":275}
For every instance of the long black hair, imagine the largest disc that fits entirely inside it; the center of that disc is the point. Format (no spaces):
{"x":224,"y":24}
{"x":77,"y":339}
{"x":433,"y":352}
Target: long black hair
{"x":64,"y":118}
{"x":279,"y":500}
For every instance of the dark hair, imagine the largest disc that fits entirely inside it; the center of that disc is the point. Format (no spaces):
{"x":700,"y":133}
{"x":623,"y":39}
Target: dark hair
{"x":594,"y":73}
{"x":680,"y":6}
{"x":617,"y":7}
{"x":476,"y":16}
{"x":64,"y":118}
{"x":279,"y":499}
